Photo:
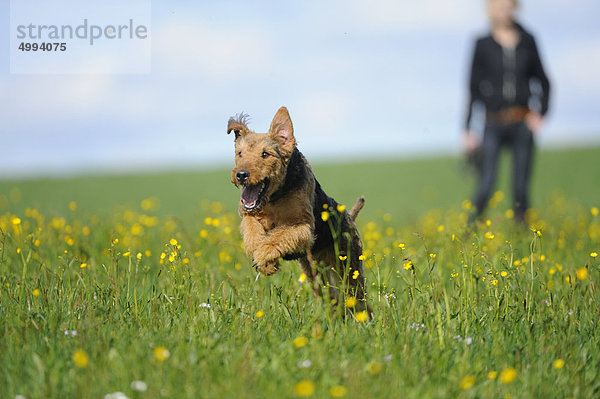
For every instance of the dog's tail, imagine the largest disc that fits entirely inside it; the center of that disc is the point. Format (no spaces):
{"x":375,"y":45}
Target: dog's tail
{"x":358,"y":205}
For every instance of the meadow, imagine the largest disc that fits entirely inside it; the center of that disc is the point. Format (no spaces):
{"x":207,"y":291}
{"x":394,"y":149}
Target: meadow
{"x":137,"y":286}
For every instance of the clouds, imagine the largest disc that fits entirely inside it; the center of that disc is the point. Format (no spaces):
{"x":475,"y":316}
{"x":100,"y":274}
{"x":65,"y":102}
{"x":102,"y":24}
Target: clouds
{"x":194,"y":47}
{"x":345,"y":69}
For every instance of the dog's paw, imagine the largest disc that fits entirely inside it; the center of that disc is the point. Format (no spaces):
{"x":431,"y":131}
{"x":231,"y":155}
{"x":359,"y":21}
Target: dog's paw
{"x":269,"y":268}
{"x":265,"y":254}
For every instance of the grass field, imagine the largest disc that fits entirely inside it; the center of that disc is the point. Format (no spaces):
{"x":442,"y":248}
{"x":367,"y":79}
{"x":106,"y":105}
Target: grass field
{"x":139,"y":285}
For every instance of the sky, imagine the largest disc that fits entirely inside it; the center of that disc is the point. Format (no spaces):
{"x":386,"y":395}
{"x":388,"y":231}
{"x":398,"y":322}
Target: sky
{"x":361,"y":79}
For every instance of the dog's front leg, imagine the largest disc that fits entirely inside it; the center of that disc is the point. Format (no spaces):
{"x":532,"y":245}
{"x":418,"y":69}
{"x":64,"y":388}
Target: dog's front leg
{"x":283,"y":240}
{"x":253,"y":234}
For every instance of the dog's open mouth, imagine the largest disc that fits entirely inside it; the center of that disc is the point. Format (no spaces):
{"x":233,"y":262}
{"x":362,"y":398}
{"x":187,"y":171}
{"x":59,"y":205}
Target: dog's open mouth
{"x":252,"y":196}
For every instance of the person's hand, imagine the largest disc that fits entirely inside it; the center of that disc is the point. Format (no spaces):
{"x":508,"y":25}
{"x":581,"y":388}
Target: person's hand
{"x":469,"y":141}
{"x":533,"y":120}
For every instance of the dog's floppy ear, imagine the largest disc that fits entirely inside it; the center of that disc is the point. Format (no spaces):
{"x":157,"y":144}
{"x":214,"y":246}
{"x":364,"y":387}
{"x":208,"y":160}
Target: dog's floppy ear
{"x":282,"y":130}
{"x":238,"y":125}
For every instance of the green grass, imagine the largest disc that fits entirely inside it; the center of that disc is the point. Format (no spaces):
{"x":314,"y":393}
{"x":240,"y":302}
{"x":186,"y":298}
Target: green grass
{"x":475,"y":301}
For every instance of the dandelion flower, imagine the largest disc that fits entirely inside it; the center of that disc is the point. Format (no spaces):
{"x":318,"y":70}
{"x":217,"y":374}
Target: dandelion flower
{"x":139,"y":386}
{"x":260,"y":314}
{"x":83,"y":265}
{"x":582,"y":273}
{"x":374,"y":367}
{"x":361,"y":316}
{"x":338,"y":391}
{"x":508,"y":375}
{"x":492,"y":375}
{"x":594,"y":254}
{"x":161,"y":353}
{"x":36,"y":292}
{"x":503,"y":273}
{"x":350,"y":302}
{"x":325,"y":216}
{"x":173,"y":242}
{"x":80,"y":358}
{"x":594,"y":211}
{"x":304,"y":388}
{"x":341,"y":208}
{"x":299,"y":342}
{"x":558,"y":364}
{"x":467,"y":382}
{"x":16,"y":221}
{"x":302,"y":278}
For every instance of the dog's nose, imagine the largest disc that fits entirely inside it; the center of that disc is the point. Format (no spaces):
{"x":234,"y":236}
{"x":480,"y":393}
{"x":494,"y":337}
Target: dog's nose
{"x":242,"y":176}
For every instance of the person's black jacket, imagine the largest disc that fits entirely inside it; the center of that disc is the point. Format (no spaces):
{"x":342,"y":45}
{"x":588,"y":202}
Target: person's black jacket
{"x":488,"y":69}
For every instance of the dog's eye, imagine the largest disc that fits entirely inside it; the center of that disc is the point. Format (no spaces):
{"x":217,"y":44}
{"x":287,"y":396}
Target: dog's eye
{"x":239,"y":154}
{"x":265,"y":154}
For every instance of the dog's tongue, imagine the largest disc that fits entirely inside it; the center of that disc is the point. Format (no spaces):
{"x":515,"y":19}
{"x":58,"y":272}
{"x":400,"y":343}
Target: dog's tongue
{"x":250,"y":195}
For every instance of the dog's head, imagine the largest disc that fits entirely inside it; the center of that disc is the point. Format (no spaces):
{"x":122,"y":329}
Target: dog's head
{"x":261,"y":159}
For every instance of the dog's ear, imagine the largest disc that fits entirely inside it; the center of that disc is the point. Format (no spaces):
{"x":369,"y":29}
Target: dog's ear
{"x":238,"y":125}
{"x":282,"y":130}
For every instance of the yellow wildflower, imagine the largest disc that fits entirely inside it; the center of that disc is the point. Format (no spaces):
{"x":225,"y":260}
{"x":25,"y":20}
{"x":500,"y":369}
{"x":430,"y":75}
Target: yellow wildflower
{"x":338,"y":391}
{"x":374,"y":368}
{"x":467,"y":382}
{"x":350,"y":302}
{"x":325,"y":216}
{"x":361,"y":316}
{"x":161,"y":353}
{"x":304,"y":388}
{"x":508,"y":375}
{"x":260,"y":314}
{"x":36,"y":292}
{"x":492,"y":375}
{"x":299,"y":342}
{"x":341,"y":208}
{"x":558,"y":364}
{"x":80,"y":358}
{"x":582,"y":273}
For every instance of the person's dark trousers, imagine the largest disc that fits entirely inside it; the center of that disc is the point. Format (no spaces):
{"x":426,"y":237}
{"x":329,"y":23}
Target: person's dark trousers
{"x":520,"y":140}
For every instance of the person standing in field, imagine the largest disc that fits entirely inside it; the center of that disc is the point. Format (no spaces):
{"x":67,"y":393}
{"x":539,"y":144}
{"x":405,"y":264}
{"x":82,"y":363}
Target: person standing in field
{"x":508,"y":79}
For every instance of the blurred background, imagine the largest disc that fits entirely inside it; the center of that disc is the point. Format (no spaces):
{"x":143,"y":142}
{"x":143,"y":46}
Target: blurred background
{"x":366,"y":79}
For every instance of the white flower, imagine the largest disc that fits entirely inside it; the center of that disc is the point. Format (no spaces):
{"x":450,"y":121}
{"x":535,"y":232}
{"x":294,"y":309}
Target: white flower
{"x":115,"y":395}
{"x":205,"y":305}
{"x":139,"y":386}
{"x":304,"y":364}
{"x":387,"y":358}
{"x":20,"y":397}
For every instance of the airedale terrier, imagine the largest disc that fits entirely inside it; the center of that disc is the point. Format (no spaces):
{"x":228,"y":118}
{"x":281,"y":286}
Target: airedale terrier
{"x":286,"y":214}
